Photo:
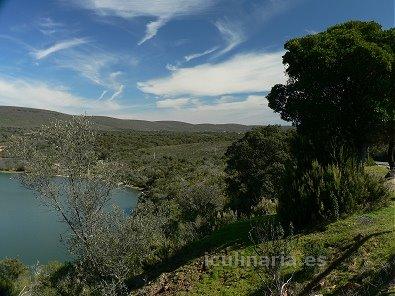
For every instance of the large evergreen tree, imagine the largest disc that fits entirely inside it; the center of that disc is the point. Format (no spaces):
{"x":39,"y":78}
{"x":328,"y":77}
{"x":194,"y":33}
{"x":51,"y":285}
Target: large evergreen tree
{"x":340,"y":91}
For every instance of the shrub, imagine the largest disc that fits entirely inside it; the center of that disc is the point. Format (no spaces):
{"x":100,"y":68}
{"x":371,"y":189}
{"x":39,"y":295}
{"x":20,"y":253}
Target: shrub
{"x":10,"y":271}
{"x":323,"y":194}
{"x":200,"y":203}
{"x":6,"y":287}
{"x":274,"y":248}
{"x":255,"y":164}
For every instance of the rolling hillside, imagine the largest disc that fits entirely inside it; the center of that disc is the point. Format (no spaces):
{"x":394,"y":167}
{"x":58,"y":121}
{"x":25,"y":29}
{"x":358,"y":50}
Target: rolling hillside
{"x":19,"y":117}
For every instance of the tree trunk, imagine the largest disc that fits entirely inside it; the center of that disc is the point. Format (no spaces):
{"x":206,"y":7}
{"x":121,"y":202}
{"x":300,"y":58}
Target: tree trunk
{"x":391,"y":157}
{"x":391,"y":150}
{"x":362,"y":153}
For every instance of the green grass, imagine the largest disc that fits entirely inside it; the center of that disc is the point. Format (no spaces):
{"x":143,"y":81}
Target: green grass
{"x":360,"y":269}
{"x":377,"y":170}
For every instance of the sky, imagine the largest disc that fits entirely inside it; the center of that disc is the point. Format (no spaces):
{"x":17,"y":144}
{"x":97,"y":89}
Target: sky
{"x":198,"y":61}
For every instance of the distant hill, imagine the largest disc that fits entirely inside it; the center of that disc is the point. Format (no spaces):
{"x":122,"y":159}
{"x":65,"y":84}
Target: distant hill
{"x":20,"y":117}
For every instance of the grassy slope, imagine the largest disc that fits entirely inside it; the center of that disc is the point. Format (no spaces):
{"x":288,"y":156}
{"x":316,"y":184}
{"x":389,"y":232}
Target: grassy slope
{"x":357,"y":272}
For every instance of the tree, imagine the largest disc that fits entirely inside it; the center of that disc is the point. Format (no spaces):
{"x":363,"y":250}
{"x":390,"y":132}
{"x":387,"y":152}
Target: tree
{"x":340,"y":91}
{"x":255,"y":164}
{"x":108,"y":245}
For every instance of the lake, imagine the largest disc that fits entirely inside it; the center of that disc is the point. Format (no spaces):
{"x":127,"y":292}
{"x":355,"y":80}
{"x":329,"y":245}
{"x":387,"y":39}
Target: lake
{"x":29,"y":231}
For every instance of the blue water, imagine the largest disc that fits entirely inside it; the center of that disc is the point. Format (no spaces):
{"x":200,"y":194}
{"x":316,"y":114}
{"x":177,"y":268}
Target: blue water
{"x":32,"y":233}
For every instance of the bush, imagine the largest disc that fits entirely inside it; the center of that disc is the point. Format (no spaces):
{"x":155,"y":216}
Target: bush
{"x":10,"y":271}
{"x":255,"y":164}
{"x":6,"y":287}
{"x":199,"y":204}
{"x":323,"y":194}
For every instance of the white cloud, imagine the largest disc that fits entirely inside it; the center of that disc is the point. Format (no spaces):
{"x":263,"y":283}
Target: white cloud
{"x":232,"y":33}
{"x":223,"y":103}
{"x":88,"y":65}
{"x":252,"y":109}
{"x":200,"y":54}
{"x":252,"y":102}
{"x":152,"y":29}
{"x":173,"y":103}
{"x":171,"y":67}
{"x":43,"y":53}
{"x":102,"y":95}
{"x":48,"y":26}
{"x":117,"y":93}
{"x":36,"y":94}
{"x":93,"y":65}
{"x":269,"y":9}
{"x":162,"y":10}
{"x":244,"y":73}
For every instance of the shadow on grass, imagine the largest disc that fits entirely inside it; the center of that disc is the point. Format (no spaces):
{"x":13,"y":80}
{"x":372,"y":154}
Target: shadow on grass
{"x":232,"y":235}
{"x":379,"y":279}
{"x":336,"y":263}
{"x":370,"y":283}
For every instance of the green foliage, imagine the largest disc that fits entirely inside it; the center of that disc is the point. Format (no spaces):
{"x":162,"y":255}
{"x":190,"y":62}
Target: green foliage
{"x":378,"y":152}
{"x":255,"y":164}
{"x":6,"y":287}
{"x":10,"y":271}
{"x":200,"y":203}
{"x":340,"y":89}
{"x":377,"y":171}
{"x":180,"y":173}
{"x":326,"y":193}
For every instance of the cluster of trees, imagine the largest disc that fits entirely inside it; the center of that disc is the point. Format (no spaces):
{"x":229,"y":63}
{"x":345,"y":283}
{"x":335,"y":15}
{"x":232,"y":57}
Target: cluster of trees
{"x":340,"y":97}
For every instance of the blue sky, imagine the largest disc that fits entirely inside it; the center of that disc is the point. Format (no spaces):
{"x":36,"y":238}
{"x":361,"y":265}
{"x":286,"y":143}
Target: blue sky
{"x":189,"y":60}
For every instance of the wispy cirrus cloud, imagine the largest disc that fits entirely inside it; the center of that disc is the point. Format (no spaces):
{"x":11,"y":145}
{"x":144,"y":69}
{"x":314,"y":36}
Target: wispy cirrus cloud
{"x":269,"y":9}
{"x":200,"y":54}
{"x":117,"y":93}
{"x":232,"y":32}
{"x":94,"y":65}
{"x":62,"y":45}
{"x":152,"y":29}
{"x":163,"y":11}
{"x":104,"y":92}
{"x":243,"y":73}
{"x":98,"y":66}
{"x":48,"y":26}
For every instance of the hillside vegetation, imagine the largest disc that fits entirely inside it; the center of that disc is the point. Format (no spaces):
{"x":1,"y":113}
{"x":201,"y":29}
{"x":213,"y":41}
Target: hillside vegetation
{"x":19,"y":117}
{"x":359,"y":260}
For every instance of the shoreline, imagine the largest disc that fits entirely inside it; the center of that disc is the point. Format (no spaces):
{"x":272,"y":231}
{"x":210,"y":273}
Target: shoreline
{"x":9,"y":172}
